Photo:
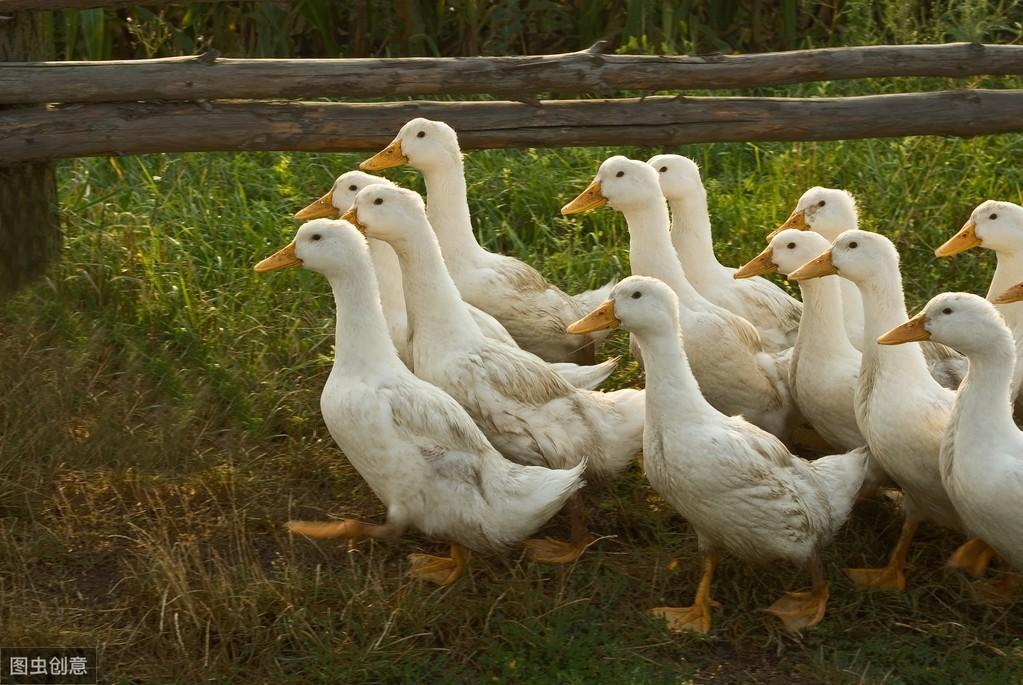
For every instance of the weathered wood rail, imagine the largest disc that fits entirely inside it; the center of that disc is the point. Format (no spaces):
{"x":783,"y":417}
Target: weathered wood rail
{"x":111,"y":129}
{"x":587,"y":72}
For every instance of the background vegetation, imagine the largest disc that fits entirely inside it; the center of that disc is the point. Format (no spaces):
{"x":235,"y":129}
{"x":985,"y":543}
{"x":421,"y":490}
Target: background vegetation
{"x":161,"y":418}
{"x":378,"y":28}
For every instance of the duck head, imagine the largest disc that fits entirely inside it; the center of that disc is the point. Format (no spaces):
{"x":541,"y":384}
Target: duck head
{"x":620,"y":182}
{"x":340,"y":196}
{"x":962,"y":321}
{"x":421,"y":143}
{"x":387,"y":213}
{"x":993,"y":224}
{"x":786,"y":252}
{"x":859,"y":256}
{"x":639,"y":304}
{"x":321,"y":245}
{"x":678,"y":176}
{"x":828,"y":211}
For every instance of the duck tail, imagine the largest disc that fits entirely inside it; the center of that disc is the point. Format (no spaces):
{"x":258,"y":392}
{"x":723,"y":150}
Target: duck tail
{"x":586,"y":377}
{"x":537,"y":494}
{"x":842,"y":477}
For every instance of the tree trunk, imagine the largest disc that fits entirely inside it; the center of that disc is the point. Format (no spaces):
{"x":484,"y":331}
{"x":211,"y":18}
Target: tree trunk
{"x":29,"y":229}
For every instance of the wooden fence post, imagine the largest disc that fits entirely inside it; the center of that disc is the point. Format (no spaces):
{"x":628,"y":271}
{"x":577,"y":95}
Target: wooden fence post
{"x":30,"y":236}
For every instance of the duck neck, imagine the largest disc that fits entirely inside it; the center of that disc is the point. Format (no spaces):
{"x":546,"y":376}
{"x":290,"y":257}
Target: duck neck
{"x":388,"y":271}
{"x":672,"y":392}
{"x":1007,"y":274}
{"x":362,"y":343}
{"x":435,"y":310}
{"x":821,"y":324}
{"x":691,"y":236}
{"x":884,"y":308}
{"x":984,"y":400}
{"x":651,"y":252}
{"x":447,"y":208}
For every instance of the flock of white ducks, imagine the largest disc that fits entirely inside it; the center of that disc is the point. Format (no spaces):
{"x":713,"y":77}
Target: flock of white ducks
{"x":464,"y":390}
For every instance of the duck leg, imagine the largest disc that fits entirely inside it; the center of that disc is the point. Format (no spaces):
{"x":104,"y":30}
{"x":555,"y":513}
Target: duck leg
{"x":798,"y":610}
{"x":551,"y":551}
{"x":973,"y":556}
{"x":353,"y":529}
{"x":891,"y":576}
{"x":439,"y":570}
{"x":695,"y":618}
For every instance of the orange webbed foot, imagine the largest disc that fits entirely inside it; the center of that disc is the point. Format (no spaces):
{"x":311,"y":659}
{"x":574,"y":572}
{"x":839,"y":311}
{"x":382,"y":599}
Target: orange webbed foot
{"x":440,"y":570}
{"x":553,"y":551}
{"x":798,"y":610}
{"x":693,"y":619}
{"x":973,"y":557}
{"x":887,"y":578}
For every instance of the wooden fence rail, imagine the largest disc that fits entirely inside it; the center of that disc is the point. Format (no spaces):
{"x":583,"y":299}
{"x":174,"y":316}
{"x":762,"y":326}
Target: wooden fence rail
{"x":207,"y":77}
{"x":111,"y":129}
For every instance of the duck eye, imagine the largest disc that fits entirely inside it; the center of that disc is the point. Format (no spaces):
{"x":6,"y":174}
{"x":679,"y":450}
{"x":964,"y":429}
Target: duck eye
{"x":821,"y":203}
{"x":620,"y":174}
{"x":316,"y":236}
{"x":636,"y":295}
{"x":353,"y":188}
{"x":421,"y":134}
{"x":993,"y":217}
{"x":946,"y":310}
{"x":791,"y":246}
{"x":663,"y":169}
{"x":853,"y":245}
{"x":378,"y":201}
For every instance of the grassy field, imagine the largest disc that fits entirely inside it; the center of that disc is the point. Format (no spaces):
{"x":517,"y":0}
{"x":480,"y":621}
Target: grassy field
{"x":161,"y":421}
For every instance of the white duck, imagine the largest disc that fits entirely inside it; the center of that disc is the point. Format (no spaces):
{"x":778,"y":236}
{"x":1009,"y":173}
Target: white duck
{"x":727,"y":357}
{"x":997,"y":226}
{"x":417,"y":449}
{"x":774,"y":312}
{"x":901,"y":410}
{"x":526,"y":410}
{"x":824,"y":366}
{"x":982,"y":450}
{"x":392,"y":295}
{"x":534,"y":311}
{"x":831,"y":212}
{"x":738,"y":486}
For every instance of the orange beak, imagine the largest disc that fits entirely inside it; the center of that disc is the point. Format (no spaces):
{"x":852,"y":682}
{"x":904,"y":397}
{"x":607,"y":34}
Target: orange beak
{"x":960,"y":242}
{"x":1013,"y":294}
{"x":284,"y":258}
{"x":763,"y":263}
{"x":797,"y":219}
{"x":911,"y":331}
{"x":318,"y":208}
{"x":815,"y":268}
{"x":352,"y":217}
{"x":601,"y":318}
{"x":390,"y":156}
{"x":591,"y":198}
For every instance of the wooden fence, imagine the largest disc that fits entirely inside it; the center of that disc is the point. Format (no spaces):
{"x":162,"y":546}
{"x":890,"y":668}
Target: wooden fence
{"x":206,"y":103}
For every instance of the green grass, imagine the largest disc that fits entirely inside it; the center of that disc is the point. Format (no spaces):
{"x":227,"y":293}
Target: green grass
{"x":161,"y":421}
